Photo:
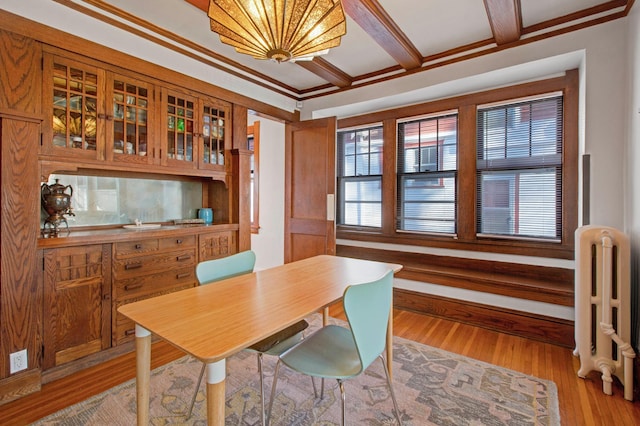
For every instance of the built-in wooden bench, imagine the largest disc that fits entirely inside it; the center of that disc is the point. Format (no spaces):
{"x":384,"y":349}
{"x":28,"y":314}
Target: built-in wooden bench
{"x":530,"y":282}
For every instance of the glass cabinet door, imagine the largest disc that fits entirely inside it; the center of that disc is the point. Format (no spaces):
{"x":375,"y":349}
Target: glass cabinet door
{"x":215,"y":119}
{"x":179,"y":125}
{"x":129,"y":127}
{"x":73,"y":94}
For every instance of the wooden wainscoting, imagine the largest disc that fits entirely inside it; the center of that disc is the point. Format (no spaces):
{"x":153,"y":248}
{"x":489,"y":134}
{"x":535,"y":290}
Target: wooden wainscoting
{"x":537,"y":327}
{"x":529,"y":282}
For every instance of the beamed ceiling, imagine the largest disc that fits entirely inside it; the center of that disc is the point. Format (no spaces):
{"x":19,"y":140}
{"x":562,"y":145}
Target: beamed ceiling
{"x":385,"y":40}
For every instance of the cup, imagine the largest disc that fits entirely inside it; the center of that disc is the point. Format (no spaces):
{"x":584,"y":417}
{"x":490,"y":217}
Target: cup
{"x":206,"y":214}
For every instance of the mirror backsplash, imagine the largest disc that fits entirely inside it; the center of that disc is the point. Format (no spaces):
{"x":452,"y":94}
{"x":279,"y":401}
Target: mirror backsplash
{"x":99,"y":200}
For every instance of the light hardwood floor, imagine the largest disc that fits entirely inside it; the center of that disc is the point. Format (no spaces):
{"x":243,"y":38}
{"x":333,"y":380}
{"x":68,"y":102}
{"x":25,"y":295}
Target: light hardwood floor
{"x":581,"y":401}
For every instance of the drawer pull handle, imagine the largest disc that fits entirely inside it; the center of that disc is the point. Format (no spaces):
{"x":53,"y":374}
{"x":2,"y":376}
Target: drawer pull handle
{"x":132,"y":266}
{"x":130,"y":332}
{"x":178,"y":241}
{"x":183,"y":275}
{"x":132,"y":287}
{"x":138,"y":246}
{"x":183,"y":257}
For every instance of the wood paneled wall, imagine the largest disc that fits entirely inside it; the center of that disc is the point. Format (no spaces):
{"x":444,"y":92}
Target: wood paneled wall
{"x":20,"y":291}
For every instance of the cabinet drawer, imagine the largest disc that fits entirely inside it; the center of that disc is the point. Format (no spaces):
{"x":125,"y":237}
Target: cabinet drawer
{"x":124,"y":329}
{"x":129,"y":248}
{"x":174,"y":243}
{"x":145,"y":285}
{"x":136,"y":266}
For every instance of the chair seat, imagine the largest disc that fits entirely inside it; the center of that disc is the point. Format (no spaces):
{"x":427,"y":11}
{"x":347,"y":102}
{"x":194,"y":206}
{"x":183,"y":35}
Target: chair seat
{"x":282,"y":340}
{"x":330,"y":352}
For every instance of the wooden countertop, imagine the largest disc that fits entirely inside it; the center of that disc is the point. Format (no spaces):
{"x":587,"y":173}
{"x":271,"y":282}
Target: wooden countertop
{"x":116,"y":234}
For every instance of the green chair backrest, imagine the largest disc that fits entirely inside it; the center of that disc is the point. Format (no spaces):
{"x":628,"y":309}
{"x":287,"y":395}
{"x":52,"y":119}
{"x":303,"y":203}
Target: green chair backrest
{"x":367,"y":307}
{"x":218,"y":269}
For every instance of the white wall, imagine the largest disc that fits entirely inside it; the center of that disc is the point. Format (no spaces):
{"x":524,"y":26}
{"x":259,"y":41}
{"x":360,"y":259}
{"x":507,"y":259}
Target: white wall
{"x":268,"y":244}
{"x":632,"y":189}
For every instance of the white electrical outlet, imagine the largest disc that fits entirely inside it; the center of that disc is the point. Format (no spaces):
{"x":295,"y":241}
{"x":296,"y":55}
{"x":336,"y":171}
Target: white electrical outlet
{"x":18,"y":361}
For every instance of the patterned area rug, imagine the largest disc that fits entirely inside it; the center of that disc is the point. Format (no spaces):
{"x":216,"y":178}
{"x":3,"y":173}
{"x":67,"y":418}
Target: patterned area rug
{"x":433,"y":387}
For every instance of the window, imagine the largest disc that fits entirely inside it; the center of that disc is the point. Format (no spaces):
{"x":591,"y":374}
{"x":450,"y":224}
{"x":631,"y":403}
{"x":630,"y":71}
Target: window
{"x":427,"y":163}
{"x":519,"y":169}
{"x":253,"y":145}
{"x":360,"y":177}
{"x":493,"y":171}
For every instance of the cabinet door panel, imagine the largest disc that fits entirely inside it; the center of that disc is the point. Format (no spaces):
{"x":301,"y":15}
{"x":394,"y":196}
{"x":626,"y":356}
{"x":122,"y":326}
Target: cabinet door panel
{"x":179,"y":121}
{"x":73,"y":98}
{"x":77,"y":303}
{"x":217,"y":244}
{"x":130,"y":125}
{"x":213,"y":134}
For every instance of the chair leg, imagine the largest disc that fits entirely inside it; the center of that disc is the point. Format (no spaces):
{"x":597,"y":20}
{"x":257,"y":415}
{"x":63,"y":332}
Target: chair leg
{"x":262,"y":420}
{"x":195,"y":394}
{"x":273,"y":391}
{"x":344,"y":400}
{"x":393,"y":395}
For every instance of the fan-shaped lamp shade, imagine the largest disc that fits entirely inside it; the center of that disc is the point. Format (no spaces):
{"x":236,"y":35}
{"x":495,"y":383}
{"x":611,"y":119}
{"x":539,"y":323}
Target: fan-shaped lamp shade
{"x":281,"y":30}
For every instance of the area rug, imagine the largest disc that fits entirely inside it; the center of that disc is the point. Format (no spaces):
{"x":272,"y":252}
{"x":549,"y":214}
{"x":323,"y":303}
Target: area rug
{"x":433,"y":387}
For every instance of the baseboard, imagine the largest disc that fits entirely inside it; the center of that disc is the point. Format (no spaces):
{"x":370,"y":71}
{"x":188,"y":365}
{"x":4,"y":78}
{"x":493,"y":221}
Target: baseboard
{"x":537,"y":327}
{"x":19,"y":385}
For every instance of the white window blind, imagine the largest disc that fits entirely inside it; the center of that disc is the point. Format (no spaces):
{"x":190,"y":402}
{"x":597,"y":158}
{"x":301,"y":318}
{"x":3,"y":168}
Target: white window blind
{"x":519,"y":169}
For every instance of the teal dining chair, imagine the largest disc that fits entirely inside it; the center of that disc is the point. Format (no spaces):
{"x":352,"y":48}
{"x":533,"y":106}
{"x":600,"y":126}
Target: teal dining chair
{"x":335,"y":352}
{"x":211,"y":271}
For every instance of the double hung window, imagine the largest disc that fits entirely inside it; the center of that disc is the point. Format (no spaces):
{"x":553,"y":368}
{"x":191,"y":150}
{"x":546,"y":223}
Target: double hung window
{"x":519,"y":169}
{"x":427,"y":174}
{"x":360,"y":177}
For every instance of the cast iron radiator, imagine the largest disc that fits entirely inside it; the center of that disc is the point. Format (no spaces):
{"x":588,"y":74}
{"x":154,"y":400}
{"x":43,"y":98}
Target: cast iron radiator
{"x":602,"y":306}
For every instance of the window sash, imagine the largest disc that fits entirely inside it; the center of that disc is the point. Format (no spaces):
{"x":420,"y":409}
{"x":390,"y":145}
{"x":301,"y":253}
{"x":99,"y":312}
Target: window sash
{"x":360,"y":155}
{"x":360,"y":201}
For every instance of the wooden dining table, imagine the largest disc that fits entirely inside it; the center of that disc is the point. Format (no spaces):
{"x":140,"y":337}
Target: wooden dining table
{"x":213,"y":322}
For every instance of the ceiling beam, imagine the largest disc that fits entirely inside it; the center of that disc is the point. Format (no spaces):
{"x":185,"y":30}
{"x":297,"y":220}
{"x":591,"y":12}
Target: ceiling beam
{"x":505,"y":19}
{"x":325,"y":70}
{"x":200,"y":4}
{"x":375,"y":21}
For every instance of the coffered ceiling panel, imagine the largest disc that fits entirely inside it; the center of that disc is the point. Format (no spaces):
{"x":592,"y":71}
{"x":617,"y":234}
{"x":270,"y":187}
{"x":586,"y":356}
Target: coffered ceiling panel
{"x":385,"y":40}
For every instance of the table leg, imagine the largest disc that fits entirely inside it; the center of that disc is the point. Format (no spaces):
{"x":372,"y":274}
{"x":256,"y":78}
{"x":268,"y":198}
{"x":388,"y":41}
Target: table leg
{"x":325,"y":317}
{"x":216,"y":373}
{"x":143,"y":373}
{"x":390,"y":343}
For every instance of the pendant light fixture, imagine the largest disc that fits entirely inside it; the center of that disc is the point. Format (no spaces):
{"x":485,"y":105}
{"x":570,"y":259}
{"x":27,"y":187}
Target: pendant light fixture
{"x":280,"y":30}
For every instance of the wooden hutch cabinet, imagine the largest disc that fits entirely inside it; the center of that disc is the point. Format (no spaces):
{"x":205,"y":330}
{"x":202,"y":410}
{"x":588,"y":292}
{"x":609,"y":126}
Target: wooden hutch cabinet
{"x":70,"y":109}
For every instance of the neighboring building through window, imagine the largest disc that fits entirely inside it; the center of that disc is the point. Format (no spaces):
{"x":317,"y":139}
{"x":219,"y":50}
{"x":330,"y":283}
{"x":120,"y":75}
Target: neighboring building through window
{"x":360,"y":177}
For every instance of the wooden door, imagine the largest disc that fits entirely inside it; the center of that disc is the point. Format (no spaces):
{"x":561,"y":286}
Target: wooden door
{"x":309,"y":226}
{"x":77,"y":302}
